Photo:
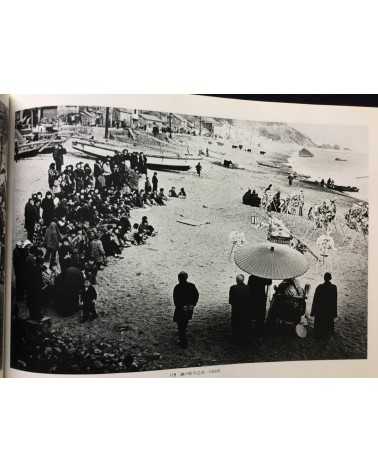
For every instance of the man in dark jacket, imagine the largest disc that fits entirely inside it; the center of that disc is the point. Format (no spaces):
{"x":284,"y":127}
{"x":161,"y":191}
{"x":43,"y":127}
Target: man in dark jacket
{"x":324,"y":307}
{"x":258,"y":293}
{"x":58,"y":154}
{"x":185,"y":298}
{"x":239,"y":299}
{"x":31,"y":218}
{"x":34,"y":285}
{"x":70,"y":287}
{"x":155,"y":182}
{"x":88,"y":296}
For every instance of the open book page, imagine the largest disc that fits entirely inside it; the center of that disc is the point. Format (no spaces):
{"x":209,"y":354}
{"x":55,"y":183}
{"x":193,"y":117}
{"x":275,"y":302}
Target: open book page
{"x":184,"y":236}
{"x":4,"y":138}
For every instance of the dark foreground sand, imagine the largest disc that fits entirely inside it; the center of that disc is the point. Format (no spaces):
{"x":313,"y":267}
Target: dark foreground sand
{"x":135,"y":294}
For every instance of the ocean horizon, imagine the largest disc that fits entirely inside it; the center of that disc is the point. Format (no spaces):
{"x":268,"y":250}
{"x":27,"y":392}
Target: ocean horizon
{"x":344,"y":167}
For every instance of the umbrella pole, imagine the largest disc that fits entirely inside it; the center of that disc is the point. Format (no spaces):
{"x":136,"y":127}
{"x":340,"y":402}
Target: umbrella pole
{"x":267,"y":304}
{"x":232,"y":249}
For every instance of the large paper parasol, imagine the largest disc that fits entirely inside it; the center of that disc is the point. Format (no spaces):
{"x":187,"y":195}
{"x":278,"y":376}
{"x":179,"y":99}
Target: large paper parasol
{"x":271,"y":261}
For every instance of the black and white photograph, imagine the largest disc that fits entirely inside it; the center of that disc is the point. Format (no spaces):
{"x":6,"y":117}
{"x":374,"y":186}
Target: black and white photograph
{"x":153,"y":240}
{"x":4,"y":124}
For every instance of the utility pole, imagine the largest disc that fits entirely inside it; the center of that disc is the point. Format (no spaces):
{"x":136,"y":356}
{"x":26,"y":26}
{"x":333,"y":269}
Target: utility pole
{"x":200,"y":126}
{"x":106,"y":122}
{"x":170,"y":125}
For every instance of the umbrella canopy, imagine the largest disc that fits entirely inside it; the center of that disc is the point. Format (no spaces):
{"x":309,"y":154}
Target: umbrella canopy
{"x":271,"y":261}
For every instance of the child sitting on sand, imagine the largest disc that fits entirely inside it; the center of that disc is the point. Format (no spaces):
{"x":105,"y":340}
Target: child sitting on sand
{"x":162,"y":195}
{"x":182,"y":193}
{"x":145,"y":228}
{"x":172,"y":193}
{"x":137,"y":235}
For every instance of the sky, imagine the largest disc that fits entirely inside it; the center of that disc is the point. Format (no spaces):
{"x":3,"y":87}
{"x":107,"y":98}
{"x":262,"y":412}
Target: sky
{"x":353,"y":137}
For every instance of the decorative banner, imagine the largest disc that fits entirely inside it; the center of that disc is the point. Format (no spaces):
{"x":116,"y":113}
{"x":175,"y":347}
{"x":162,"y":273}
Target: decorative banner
{"x":357,"y":217}
{"x":266,"y":199}
{"x":293,"y":204}
{"x":325,"y":244}
{"x":323,"y":214}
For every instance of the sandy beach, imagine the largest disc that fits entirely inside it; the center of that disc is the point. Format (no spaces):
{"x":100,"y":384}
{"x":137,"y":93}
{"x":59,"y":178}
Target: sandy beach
{"x":135,"y":294}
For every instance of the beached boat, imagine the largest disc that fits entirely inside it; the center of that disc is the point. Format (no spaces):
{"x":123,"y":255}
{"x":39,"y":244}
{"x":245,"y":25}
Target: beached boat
{"x":96,"y":149}
{"x":49,"y":144}
{"x":157,"y":146}
{"x":337,"y":188}
{"x":344,"y":188}
{"x":264,"y":164}
{"x":339,"y":159}
{"x":27,"y":149}
{"x":155,"y":161}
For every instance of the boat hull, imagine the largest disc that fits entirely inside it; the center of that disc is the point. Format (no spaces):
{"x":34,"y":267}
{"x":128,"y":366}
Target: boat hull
{"x":94,"y":151}
{"x":167,"y":166}
{"x":25,"y":154}
{"x":337,"y":188}
{"x":27,"y":150}
{"x":154,"y":162}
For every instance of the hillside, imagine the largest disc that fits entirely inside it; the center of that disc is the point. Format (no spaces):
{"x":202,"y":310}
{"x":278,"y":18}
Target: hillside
{"x":238,"y":130}
{"x":285,"y":134}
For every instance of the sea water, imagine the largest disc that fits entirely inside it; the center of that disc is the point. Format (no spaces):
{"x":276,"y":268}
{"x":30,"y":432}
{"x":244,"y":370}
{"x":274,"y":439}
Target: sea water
{"x":352,"y":170}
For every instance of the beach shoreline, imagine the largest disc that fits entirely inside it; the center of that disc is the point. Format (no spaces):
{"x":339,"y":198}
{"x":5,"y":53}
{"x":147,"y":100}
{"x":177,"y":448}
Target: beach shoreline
{"x":136,"y":292}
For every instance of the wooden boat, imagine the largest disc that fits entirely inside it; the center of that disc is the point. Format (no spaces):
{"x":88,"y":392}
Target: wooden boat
{"x":25,"y":150}
{"x":337,"y":188}
{"x":344,"y":188}
{"x":339,"y":159}
{"x":264,"y":164}
{"x":158,"y":146}
{"x":100,"y":149}
{"x":49,"y":144}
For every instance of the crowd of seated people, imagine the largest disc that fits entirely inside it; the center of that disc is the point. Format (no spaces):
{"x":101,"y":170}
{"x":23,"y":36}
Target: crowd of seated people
{"x":75,"y":228}
{"x":251,"y":198}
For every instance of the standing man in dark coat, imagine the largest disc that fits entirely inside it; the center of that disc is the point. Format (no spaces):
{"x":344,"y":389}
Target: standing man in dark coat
{"x":58,"y":153}
{"x":71,"y":286}
{"x":324,"y":307}
{"x":155,"y":182}
{"x":198,"y":169}
{"x":258,"y":293}
{"x":185,"y":298}
{"x":52,"y":239}
{"x":239,"y":299}
{"x":31,"y":218}
{"x":34,"y":286}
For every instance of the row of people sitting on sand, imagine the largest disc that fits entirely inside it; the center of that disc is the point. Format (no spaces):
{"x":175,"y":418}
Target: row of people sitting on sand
{"x":153,"y":197}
